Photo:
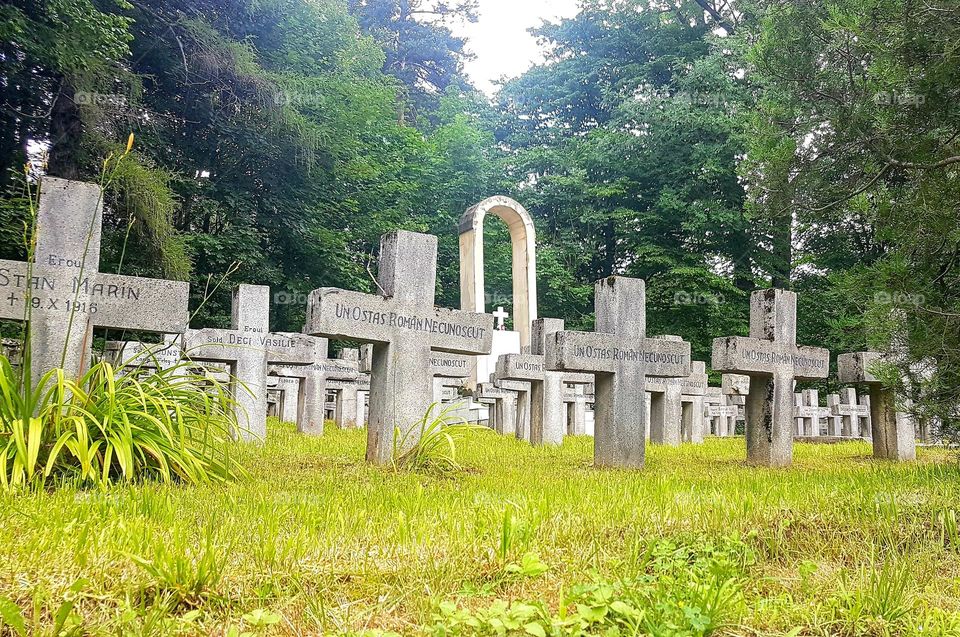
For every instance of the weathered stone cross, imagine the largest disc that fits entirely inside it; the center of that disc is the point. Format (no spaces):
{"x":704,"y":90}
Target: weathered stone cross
{"x":894,"y":435}
{"x":773,"y":360}
{"x":69,"y":296}
{"x":404,"y":326}
{"x":621,"y":356}
{"x":249,"y":347}
{"x":547,"y":410}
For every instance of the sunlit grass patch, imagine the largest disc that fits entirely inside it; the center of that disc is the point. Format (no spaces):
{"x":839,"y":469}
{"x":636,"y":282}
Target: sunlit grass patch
{"x":838,"y":544}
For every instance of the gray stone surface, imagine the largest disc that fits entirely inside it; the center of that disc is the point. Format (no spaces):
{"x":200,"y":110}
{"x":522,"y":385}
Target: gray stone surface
{"x":69,"y":296}
{"x":852,"y":413}
{"x":249,"y":348}
{"x":575,"y":398}
{"x":135,"y":355}
{"x":311,"y":379}
{"x":504,"y":410}
{"x":693,"y":388}
{"x":894,"y":435}
{"x":450,"y":373}
{"x":774,"y":361}
{"x":621,"y":356}
{"x":547,"y":410}
{"x":666,"y":403}
{"x":404,"y":326}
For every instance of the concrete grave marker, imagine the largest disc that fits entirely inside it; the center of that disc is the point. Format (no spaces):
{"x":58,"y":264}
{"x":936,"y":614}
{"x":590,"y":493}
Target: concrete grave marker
{"x":576,"y":398}
{"x":249,"y":347}
{"x":621,"y":356}
{"x":894,"y":435}
{"x":547,"y":412}
{"x":69,"y":296}
{"x":404,"y":326}
{"x":133,"y":355}
{"x":693,"y":388}
{"x":450,"y":371}
{"x":503,"y":411}
{"x":773,"y":360}
{"x":853,"y":414}
{"x":721,"y":415}
{"x":501,"y":315}
{"x":312,"y":382}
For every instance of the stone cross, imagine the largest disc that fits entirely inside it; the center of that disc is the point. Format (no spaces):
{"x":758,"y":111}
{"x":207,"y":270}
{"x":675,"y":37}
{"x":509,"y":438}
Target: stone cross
{"x":501,"y":315}
{"x":722,"y":416}
{"x":806,"y":412}
{"x":773,"y":360}
{"x":288,"y":389}
{"x":404,"y":326}
{"x":135,"y":355}
{"x":344,"y":373}
{"x":736,"y":388}
{"x":503,"y":411}
{"x":693,"y":388}
{"x":312,"y":378}
{"x":666,"y":406}
{"x":621,"y":356}
{"x":576,"y":398}
{"x":853,"y":415}
{"x":63,"y":295}
{"x":450,"y":371}
{"x":547,"y":415}
{"x":894,"y":436}
{"x":249,"y":347}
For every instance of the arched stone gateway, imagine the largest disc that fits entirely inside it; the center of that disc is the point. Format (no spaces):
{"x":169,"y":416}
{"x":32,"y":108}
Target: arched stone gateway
{"x":523,"y":237}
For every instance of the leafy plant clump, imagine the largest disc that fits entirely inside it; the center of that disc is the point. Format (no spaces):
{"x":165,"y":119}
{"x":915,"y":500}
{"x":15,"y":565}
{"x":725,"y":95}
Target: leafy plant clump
{"x":436,"y":447}
{"x":166,"y":425}
{"x":675,"y":590}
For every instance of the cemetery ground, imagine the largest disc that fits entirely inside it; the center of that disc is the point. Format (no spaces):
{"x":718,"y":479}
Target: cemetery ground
{"x":520,"y":541}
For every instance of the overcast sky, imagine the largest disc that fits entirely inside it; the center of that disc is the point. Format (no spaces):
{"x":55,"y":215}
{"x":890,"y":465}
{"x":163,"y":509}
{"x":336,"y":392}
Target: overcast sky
{"x":500,"y":39}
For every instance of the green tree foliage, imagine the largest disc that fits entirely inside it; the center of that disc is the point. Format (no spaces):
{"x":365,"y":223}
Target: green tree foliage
{"x":856,"y":139}
{"x":421,"y":50}
{"x":624,"y":146}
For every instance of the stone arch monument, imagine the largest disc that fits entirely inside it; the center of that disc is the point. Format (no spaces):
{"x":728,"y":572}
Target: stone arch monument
{"x":523,"y":237}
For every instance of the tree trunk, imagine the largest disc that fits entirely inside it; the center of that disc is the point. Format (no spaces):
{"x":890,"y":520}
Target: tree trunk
{"x":66,"y":130}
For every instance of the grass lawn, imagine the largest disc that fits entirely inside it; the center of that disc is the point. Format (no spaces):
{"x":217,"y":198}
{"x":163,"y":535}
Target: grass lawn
{"x":532,"y":541}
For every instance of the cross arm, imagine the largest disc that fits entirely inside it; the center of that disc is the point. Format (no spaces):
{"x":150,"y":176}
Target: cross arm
{"x":597,"y":352}
{"x":137,"y":303}
{"x":741,"y":354}
{"x":336,"y":313}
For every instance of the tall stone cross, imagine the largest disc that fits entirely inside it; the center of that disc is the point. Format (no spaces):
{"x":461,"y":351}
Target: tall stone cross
{"x":773,"y":360}
{"x":501,"y":315}
{"x":547,"y":409}
{"x":249,"y":348}
{"x":894,"y":435}
{"x":621,"y":356}
{"x":404,"y":326}
{"x":64,"y":295}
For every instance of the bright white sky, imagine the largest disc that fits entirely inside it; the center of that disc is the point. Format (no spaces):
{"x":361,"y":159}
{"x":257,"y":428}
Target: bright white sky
{"x":500,"y":39}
